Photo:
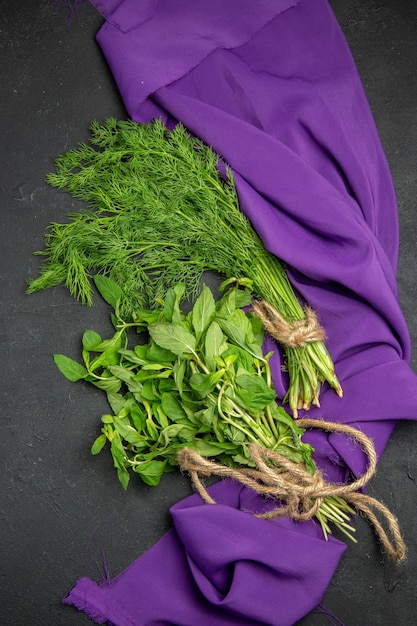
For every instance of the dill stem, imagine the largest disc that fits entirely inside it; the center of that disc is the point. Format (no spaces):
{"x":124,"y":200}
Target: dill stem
{"x":160,"y":204}
{"x":156,"y":266}
{"x":281,"y":292}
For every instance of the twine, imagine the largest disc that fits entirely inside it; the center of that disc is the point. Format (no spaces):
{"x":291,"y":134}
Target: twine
{"x":292,"y":334}
{"x":299,"y":492}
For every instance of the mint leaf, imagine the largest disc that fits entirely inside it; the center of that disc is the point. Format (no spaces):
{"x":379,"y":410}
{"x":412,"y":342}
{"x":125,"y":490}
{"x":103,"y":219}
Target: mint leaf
{"x":110,"y":291}
{"x":173,"y":337}
{"x":90,"y":340}
{"x":151,"y":471}
{"x":71,"y":369}
{"x":105,"y":359}
{"x":98,"y":444}
{"x":254,"y":392}
{"x":172,"y":407}
{"x":214,"y":345}
{"x":204,"y":384}
{"x":203,"y":311}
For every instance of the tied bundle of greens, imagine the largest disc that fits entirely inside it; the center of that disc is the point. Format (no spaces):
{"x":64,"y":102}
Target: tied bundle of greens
{"x":198,"y":381}
{"x":160,"y":212}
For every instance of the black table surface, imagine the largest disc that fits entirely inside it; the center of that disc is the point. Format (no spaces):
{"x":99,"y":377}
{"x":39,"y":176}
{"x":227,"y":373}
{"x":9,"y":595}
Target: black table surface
{"x":62,"y":509}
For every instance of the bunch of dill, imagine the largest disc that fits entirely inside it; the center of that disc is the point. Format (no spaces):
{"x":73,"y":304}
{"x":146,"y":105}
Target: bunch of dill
{"x":161,"y":213}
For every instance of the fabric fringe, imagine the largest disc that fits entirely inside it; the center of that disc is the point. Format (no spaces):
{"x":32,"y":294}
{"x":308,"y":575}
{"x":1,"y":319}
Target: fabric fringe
{"x":79,"y":602}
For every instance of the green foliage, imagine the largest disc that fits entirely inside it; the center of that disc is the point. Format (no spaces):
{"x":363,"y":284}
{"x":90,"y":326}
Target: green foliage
{"x":71,"y":369}
{"x":198,"y":380}
{"x":161,"y":214}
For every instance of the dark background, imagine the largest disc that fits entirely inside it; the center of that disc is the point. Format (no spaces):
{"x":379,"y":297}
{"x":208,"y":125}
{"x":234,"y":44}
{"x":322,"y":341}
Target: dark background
{"x":61,"y":508}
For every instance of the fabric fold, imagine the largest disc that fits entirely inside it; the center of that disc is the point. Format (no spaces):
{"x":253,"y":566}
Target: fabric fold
{"x":218,"y":565}
{"x":287,"y":111}
{"x":273,"y":88}
{"x":160,"y":42}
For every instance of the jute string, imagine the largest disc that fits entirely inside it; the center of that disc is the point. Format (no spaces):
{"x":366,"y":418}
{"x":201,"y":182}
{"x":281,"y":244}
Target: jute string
{"x":294,"y":334}
{"x":300,"y":493}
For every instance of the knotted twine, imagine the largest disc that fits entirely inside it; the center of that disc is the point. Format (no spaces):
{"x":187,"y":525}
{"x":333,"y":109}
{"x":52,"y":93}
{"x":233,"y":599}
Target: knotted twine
{"x":300,"y":493}
{"x":292,"y":334}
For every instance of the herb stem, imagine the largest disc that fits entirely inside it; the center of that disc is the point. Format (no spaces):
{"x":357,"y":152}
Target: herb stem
{"x":160,"y":212}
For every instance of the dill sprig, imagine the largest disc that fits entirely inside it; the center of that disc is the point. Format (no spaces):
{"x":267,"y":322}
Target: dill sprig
{"x":162,"y":209}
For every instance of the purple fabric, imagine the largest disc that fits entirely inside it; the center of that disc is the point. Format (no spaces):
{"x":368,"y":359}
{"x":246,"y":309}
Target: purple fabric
{"x":273,"y":88}
{"x":219,"y":565}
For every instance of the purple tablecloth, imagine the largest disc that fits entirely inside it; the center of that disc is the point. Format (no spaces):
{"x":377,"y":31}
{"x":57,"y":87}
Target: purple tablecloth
{"x":272,"y":86}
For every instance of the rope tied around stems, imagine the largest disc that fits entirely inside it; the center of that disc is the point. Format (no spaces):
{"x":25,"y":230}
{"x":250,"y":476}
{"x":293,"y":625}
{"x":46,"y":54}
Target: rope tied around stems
{"x":292,"y":334}
{"x":300,"y":493}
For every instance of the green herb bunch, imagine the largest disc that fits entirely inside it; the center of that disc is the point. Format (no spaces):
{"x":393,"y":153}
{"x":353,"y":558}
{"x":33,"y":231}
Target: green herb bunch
{"x":161,"y":213}
{"x":198,"y":380}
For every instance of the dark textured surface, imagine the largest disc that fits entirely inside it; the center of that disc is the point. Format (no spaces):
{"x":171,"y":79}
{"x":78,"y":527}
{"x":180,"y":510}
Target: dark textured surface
{"x":60,"y":507}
